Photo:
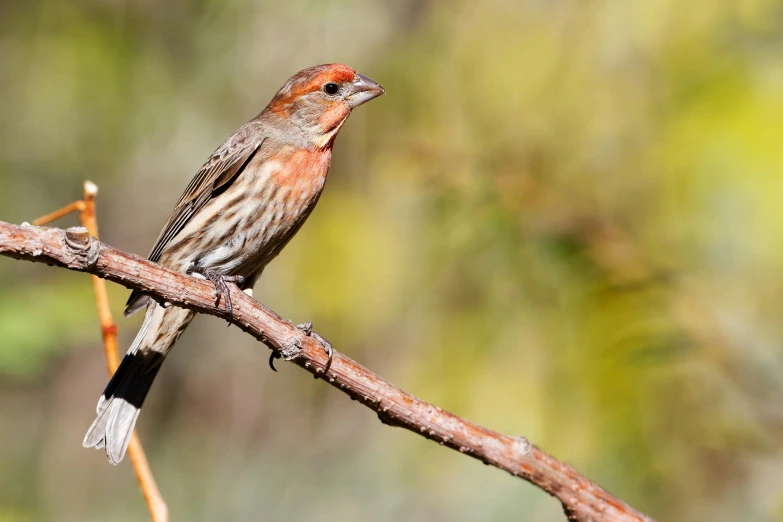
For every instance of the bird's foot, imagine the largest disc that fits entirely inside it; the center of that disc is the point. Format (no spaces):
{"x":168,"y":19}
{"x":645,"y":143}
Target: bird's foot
{"x":221,"y":284}
{"x":307,"y":329}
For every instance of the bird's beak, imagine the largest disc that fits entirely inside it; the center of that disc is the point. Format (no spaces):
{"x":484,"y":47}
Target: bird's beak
{"x":364,"y":90}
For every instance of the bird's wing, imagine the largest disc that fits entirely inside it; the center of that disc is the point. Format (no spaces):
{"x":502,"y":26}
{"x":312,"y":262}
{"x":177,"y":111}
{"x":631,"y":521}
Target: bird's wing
{"x":217,"y":174}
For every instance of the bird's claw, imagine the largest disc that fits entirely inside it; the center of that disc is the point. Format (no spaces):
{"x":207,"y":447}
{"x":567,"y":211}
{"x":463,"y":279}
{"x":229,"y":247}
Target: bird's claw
{"x":327,"y":348}
{"x":307,"y":329}
{"x":272,"y":357}
{"x":221,"y":285}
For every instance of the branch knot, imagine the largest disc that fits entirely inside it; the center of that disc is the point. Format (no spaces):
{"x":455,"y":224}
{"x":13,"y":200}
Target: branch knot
{"x":83,"y":245}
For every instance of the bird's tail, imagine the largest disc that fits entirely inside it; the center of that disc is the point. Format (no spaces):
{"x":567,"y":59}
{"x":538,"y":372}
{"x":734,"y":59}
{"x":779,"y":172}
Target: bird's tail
{"x":120,"y":404}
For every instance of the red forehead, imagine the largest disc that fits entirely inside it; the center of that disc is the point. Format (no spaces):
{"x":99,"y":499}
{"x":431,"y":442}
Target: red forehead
{"x":312,"y":79}
{"x":335,"y":72}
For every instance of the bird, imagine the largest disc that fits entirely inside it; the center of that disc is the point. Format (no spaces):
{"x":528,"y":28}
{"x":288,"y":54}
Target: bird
{"x":237,"y":213}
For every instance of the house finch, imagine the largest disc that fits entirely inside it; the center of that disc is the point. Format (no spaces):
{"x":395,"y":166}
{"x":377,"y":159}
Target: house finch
{"x":238,"y":212}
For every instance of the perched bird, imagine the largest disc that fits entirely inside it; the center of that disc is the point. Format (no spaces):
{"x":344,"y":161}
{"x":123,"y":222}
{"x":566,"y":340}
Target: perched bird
{"x":239,"y":211}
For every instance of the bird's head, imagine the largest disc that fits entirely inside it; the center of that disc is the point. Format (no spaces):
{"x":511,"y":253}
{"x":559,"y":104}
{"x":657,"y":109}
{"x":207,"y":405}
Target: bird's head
{"x":319,"y":99}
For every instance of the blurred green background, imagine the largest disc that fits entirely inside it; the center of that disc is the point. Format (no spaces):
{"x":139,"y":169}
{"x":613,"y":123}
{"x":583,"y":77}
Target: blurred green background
{"x":564,"y":220}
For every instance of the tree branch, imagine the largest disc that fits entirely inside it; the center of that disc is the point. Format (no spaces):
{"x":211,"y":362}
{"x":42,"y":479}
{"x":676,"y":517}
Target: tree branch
{"x":75,"y":249}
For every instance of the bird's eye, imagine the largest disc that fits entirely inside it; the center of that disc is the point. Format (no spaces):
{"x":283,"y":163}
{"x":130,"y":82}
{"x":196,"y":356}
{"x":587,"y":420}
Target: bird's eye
{"x":331,"y":88}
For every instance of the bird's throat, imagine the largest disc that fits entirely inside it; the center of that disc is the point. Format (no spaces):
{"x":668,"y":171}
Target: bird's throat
{"x":326,"y":139}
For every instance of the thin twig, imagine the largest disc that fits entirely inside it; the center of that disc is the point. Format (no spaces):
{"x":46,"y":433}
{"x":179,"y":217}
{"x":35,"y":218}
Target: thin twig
{"x":582,"y":500}
{"x":149,"y":489}
{"x":76,"y":206}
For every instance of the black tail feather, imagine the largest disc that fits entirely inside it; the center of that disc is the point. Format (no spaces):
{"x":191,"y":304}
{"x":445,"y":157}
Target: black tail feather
{"x":118,"y":407}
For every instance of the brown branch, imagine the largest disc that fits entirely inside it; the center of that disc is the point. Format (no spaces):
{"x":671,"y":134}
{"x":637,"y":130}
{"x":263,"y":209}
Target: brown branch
{"x":149,"y":489}
{"x":582,"y":500}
